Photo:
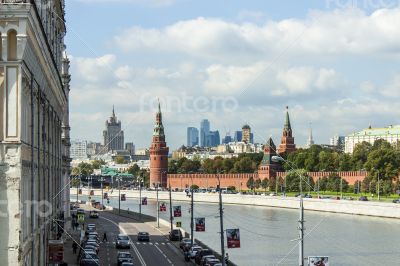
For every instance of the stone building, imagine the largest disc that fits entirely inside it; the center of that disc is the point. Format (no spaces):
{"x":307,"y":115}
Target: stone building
{"x":287,"y":141}
{"x":158,"y":154}
{"x":113,"y":134}
{"x":34,"y":129}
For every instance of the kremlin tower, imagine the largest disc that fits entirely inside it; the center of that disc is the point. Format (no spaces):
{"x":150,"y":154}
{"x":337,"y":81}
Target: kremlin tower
{"x":158,"y":154}
{"x":287,"y":141}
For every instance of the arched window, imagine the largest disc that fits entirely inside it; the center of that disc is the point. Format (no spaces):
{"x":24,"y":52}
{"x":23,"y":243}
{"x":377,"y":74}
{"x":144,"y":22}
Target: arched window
{"x":12,"y":45}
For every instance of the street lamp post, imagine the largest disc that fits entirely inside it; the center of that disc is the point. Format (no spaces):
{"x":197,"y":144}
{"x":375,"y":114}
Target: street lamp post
{"x":379,"y":191}
{"x":102,"y":194}
{"x":301,"y":215}
{"x":158,"y":207}
{"x":341,"y":188}
{"x":78,"y":184}
{"x":140,"y":198}
{"x":221,"y":221}
{"x":119,"y":194}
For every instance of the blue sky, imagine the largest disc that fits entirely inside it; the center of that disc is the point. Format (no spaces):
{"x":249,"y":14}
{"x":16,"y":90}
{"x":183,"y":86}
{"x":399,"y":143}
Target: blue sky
{"x":233,"y":62}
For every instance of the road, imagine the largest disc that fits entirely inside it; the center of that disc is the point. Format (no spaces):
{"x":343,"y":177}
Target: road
{"x":159,"y":251}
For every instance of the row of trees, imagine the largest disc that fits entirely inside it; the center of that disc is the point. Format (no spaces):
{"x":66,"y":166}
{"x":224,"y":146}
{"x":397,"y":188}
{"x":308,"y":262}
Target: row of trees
{"x":86,"y":169}
{"x":244,"y":163}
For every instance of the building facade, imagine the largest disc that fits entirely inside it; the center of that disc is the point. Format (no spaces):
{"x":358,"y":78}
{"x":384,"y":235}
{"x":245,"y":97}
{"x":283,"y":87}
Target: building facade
{"x":287,"y":141}
{"x":246,"y":134}
{"x":391,"y":134}
{"x":158,"y":154}
{"x":113,"y":135}
{"x":237,"y":137}
{"x":130,"y":148}
{"x":204,"y":132}
{"x":192,"y":136}
{"x":79,"y":149}
{"x":34,"y":129}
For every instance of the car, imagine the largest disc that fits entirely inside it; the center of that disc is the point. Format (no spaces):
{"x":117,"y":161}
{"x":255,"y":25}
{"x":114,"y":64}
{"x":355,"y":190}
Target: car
{"x":363,"y":198}
{"x":201,"y":253}
{"x":93,"y":246}
{"x":123,"y":257}
{"x":193,"y":251}
{"x":273,"y":194}
{"x":143,"y":236}
{"x":204,"y":258}
{"x":308,"y":196}
{"x":122,"y":241}
{"x":89,"y":262}
{"x":80,"y":211}
{"x":94,"y":214}
{"x":185,"y":242}
{"x":86,"y":257}
{"x":126,"y":263}
{"x":175,"y":235}
{"x":396,"y":201}
{"x":211,"y":261}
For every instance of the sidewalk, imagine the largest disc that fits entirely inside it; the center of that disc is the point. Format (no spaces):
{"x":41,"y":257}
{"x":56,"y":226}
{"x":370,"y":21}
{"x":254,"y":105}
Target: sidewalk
{"x":70,"y":258}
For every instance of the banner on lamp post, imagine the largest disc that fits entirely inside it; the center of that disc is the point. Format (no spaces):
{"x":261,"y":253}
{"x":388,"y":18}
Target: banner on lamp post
{"x":200,"y":224}
{"x":233,"y":238}
{"x":177,"y":211}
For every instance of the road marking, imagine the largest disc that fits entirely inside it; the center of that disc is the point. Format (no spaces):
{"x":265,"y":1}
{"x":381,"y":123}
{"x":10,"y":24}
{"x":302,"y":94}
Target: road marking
{"x":150,"y":243}
{"x":165,"y":256}
{"x":133,"y":246}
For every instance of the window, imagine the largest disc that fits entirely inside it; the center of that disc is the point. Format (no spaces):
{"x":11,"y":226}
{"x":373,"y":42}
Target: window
{"x":12,"y":45}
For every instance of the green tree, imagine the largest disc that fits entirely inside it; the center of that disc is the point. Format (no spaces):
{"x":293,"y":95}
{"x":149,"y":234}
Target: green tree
{"x":264,"y":184}
{"x":120,"y":160}
{"x":244,"y":165}
{"x":97,"y":164}
{"x":83,"y":169}
{"x":134,"y":170}
{"x":250,"y":183}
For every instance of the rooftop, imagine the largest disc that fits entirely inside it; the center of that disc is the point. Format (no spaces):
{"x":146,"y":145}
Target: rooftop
{"x":390,"y":130}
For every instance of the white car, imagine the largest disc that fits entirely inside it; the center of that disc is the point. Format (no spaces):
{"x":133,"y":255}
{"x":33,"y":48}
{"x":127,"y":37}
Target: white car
{"x":193,"y":251}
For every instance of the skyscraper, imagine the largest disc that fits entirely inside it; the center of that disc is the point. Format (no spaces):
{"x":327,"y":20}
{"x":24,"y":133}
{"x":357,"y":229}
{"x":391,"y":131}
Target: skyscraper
{"x":192,"y":136}
{"x":204,"y":131}
{"x":246,"y":132}
{"x":238,"y":136}
{"x":158,"y":154}
{"x":113,"y":135}
{"x":287,"y":141}
{"x":213,"y":139}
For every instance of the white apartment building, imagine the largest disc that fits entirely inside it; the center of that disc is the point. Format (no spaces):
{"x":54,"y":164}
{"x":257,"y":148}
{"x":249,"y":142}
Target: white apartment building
{"x":79,"y":149}
{"x":391,"y":134}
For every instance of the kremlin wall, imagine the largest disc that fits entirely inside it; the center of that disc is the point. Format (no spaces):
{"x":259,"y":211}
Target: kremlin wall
{"x":268,"y":168}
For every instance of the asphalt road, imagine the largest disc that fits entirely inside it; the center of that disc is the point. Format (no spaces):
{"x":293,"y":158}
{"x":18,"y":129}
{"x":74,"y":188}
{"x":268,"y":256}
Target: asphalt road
{"x":159,"y":251}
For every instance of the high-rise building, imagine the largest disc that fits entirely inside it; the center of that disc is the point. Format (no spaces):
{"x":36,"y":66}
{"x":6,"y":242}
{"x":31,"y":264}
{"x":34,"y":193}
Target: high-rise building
{"x":213,"y":139}
{"x":34,"y":129}
{"x":192,"y":136}
{"x":391,"y":134}
{"x":227,"y":139}
{"x":204,"y":131}
{"x":246,"y":134}
{"x":95,"y":148}
{"x":79,"y":149}
{"x":158,"y":154}
{"x":238,"y":136}
{"x":130,"y":147}
{"x":113,"y":134}
{"x":287,"y":141}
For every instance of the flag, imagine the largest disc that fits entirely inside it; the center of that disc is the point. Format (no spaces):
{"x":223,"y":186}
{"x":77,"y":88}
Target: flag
{"x":200,"y":224}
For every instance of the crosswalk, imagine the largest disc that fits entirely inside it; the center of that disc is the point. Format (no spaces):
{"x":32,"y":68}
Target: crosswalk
{"x":144,"y":243}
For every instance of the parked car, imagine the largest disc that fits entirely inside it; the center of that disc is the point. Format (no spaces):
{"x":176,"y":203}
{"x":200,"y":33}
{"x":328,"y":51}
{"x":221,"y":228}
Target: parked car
{"x":127,"y":263}
{"x":363,"y":198}
{"x":204,"y":259}
{"x":143,"y":236}
{"x":123,"y":257}
{"x":185,"y":242}
{"x":396,"y":201}
{"x":211,"y":261}
{"x":200,"y":254}
{"x":88,"y":258}
{"x":175,"y":235}
{"x":94,"y":214}
{"x":193,"y":251}
{"x":122,"y":241}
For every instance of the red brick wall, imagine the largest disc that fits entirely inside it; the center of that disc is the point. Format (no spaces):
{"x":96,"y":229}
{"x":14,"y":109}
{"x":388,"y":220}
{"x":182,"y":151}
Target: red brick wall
{"x":350,"y":176}
{"x":182,"y":181}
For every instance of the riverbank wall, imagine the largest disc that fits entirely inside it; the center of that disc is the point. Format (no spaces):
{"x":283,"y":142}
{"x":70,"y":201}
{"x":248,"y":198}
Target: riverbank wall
{"x":376,"y":209}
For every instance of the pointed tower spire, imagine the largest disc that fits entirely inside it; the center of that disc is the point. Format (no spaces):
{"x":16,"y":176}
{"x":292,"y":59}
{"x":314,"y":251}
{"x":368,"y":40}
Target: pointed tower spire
{"x":287,"y":120}
{"x":113,"y":111}
{"x":310,"y":141}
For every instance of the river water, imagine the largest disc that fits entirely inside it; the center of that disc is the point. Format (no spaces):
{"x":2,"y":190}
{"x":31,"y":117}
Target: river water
{"x":267,"y":234}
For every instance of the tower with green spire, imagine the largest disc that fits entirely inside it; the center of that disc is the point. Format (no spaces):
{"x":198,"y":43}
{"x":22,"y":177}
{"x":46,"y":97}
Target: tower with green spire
{"x":268,"y":167}
{"x":158,"y":153}
{"x":287,"y":141}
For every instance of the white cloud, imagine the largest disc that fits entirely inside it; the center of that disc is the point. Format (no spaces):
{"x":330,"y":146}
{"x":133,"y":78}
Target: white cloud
{"x":339,"y":32}
{"x":93,"y":69}
{"x":393,"y":88}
